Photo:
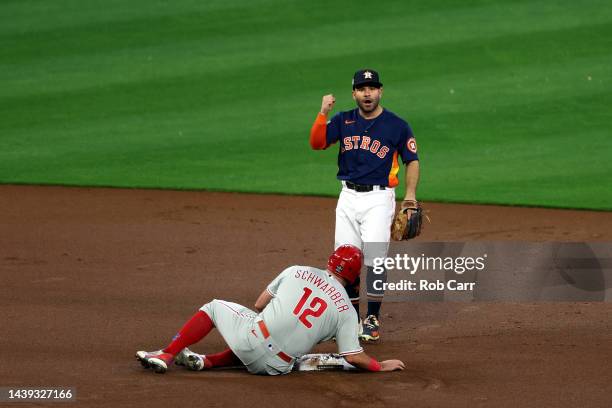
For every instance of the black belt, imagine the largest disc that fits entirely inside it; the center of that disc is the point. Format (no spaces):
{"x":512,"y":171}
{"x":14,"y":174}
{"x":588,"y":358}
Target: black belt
{"x":363,"y":188}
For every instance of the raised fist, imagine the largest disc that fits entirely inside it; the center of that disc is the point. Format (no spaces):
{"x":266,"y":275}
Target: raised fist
{"x":327,"y":104}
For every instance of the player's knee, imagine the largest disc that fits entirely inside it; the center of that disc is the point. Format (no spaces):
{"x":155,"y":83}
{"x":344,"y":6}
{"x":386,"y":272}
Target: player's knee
{"x":209,"y":307}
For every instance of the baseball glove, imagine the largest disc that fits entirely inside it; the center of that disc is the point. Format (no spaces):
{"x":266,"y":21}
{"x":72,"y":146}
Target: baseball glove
{"x":408,"y":221}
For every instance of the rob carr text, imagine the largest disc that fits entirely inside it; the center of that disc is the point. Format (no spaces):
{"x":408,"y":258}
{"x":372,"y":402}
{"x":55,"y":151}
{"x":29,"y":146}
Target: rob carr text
{"x":424,"y":284}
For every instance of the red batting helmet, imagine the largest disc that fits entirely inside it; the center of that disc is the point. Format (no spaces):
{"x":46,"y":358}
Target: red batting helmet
{"x":346,"y":262}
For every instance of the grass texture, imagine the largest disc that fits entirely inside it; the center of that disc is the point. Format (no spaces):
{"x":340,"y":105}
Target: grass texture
{"x":511,"y":102}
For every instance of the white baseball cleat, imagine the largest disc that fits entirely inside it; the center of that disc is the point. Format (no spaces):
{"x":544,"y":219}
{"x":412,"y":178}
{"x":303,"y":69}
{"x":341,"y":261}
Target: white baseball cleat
{"x":158,"y":361}
{"x":190,"y":360}
{"x":371,"y":329}
{"x":196,"y":362}
{"x":181,"y":358}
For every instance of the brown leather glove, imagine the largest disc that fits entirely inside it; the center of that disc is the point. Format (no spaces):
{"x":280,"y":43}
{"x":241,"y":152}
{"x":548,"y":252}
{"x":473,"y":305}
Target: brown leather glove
{"x":408,"y":221}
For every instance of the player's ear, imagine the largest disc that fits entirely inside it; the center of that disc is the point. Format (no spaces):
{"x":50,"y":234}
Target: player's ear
{"x":354,"y":95}
{"x":381,"y":91}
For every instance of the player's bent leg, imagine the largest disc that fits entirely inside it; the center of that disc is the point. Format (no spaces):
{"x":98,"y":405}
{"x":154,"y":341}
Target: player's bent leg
{"x":193,"y":331}
{"x":229,"y":318}
{"x":236,"y":324}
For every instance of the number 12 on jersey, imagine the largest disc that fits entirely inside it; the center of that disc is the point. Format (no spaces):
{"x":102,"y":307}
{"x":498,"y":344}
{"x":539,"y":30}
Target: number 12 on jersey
{"x":316,"y":308}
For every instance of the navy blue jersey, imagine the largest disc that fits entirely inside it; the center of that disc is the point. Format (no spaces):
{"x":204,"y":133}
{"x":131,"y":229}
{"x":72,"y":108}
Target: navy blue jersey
{"x":369,"y":148}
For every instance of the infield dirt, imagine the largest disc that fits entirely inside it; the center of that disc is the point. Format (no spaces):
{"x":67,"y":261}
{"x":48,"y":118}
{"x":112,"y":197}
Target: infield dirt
{"x":89,"y":276}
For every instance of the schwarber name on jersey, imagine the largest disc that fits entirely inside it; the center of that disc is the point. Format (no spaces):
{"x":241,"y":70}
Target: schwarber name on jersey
{"x":309,"y":306}
{"x":369,"y":148}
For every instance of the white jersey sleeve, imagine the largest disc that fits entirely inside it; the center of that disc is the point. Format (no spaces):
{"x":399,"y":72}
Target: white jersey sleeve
{"x":347,"y":336}
{"x":273,"y":286}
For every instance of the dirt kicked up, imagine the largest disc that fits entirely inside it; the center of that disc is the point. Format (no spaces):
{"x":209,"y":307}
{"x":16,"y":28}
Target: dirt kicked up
{"x":89,"y":276}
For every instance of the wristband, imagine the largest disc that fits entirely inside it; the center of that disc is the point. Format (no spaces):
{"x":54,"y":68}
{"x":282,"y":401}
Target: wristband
{"x":374,"y":365}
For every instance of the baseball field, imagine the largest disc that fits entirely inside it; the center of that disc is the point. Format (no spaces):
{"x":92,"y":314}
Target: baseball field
{"x":89,"y":276}
{"x":509,"y":100}
{"x":154,"y":156}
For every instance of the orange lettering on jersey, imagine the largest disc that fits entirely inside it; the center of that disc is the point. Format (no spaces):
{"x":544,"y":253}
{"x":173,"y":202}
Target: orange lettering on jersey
{"x":375,"y":146}
{"x":347,"y":143}
{"x":383,"y":152}
{"x":365,"y":143}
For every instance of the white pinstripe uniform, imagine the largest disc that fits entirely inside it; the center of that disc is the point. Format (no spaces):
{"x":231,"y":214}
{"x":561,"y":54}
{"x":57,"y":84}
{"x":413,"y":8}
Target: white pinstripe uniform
{"x":308,"y":306}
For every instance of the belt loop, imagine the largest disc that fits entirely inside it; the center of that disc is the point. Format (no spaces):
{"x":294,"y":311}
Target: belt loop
{"x":264,"y":329}
{"x":285,"y":357}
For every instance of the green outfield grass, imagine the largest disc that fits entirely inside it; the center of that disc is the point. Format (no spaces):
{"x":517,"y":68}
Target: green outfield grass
{"x":511,"y":102}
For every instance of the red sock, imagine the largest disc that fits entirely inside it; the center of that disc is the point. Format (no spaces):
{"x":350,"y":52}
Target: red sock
{"x":193,"y":331}
{"x":223,"y":359}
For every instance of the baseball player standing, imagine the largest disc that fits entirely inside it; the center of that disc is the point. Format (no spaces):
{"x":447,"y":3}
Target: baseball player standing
{"x":371,"y":140}
{"x":300,"y":308}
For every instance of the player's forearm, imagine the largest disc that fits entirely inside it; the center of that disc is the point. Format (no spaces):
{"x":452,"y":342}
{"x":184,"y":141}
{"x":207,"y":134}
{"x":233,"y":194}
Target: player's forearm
{"x":412,"y":179}
{"x":318,"y":132}
{"x":365,"y":362}
{"x":360,"y":360}
{"x":262,"y":301}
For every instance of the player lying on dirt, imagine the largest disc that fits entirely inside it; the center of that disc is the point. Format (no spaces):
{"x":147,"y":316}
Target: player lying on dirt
{"x":300,"y":308}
